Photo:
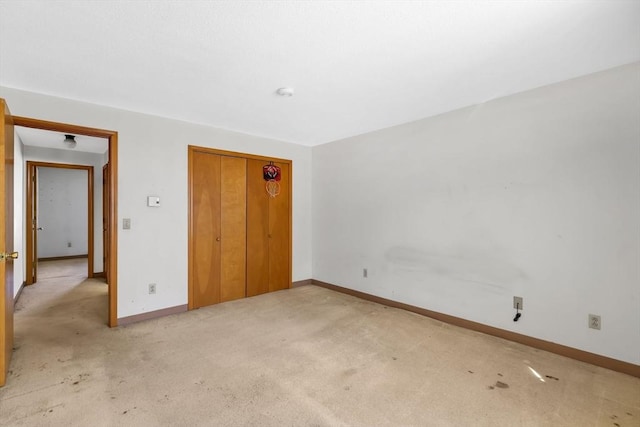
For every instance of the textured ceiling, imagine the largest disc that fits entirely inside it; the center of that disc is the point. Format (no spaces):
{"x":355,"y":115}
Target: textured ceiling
{"x":356,"y":66}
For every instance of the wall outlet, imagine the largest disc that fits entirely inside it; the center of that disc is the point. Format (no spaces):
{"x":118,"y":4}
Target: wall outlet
{"x":68,"y":244}
{"x":365,"y":273}
{"x":126,"y":223}
{"x":517,"y":303}
{"x":152,"y":288}
{"x":595,"y":322}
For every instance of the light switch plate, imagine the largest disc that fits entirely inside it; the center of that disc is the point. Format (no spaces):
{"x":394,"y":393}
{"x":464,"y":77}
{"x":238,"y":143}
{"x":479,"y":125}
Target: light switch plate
{"x":126,"y":223}
{"x":153,"y":201}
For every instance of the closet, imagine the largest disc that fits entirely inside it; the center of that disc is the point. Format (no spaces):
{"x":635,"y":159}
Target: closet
{"x":239,"y":234}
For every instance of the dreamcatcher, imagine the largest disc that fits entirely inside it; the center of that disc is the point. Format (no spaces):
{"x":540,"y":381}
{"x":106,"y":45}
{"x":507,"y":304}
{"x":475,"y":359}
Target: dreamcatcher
{"x":272,"y":174}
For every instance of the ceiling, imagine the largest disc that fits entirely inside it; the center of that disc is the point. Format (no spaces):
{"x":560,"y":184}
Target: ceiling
{"x":356,"y":66}
{"x":50,"y":139}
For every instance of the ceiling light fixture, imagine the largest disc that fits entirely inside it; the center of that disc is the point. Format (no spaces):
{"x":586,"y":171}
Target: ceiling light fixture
{"x":285,"y":91}
{"x":70,"y":141}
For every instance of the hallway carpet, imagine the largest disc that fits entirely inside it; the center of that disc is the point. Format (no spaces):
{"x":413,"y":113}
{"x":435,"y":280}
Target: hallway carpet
{"x":301,"y":357}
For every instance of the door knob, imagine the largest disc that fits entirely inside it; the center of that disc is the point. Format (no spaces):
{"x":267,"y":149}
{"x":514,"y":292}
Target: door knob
{"x":217,"y":239}
{"x":4,"y":256}
{"x":40,"y":228}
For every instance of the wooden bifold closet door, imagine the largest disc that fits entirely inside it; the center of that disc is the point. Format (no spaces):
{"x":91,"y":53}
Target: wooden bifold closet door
{"x":219,"y":240}
{"x":239,"y":236}
{"x":268,"y":267}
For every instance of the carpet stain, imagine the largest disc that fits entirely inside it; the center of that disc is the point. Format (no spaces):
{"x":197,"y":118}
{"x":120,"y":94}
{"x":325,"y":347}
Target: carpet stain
{"x":552,"y":377}
{"x":127,"y":411}
{"x":350,"y":372}
{"x":47,"y":411}
{"x":500,"y":384}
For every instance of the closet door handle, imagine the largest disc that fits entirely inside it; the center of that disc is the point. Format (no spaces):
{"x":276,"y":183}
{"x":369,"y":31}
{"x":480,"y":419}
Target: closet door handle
{"x":217,"y":239}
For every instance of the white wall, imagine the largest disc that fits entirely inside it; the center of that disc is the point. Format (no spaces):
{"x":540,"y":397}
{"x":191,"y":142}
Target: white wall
{"x":53,"y":155}
{"x":535,"y":195}
{"x":18,"y":215}
{"x":152,"y":160}
{"x":62,"y":212}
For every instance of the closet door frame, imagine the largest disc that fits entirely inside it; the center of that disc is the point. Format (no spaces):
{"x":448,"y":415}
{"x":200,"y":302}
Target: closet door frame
{"x":192,"y":149}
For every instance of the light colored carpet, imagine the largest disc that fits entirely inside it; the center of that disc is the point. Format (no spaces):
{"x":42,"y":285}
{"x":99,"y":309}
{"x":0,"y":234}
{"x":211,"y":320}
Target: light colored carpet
{"x":62,"y":268}
{"x":302,"y":357}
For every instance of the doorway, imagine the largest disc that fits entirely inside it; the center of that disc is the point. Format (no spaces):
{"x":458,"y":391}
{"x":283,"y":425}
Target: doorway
{"x":63,"y":212}
{"x":110,"y":267}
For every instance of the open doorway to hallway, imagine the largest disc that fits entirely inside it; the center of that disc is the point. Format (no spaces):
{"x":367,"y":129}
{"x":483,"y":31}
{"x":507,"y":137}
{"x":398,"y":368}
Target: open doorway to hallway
{"x":14,"y":170}
{"x":63,"y":231}
{"x":47,"y":144}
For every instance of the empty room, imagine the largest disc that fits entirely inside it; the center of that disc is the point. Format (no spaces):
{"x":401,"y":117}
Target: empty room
{"x":320,"y":213}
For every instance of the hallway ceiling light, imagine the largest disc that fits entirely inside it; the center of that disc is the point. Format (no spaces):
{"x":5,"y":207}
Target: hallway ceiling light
{"x":70,"y":141}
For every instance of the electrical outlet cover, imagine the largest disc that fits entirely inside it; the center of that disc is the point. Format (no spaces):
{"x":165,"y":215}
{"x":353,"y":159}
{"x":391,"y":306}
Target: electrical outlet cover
{"x":595,"y":322}
{"x":517,"y":303}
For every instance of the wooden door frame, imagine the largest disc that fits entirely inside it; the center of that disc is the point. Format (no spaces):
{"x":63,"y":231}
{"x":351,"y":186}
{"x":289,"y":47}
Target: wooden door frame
{"x":32,"y":191}
{"x":112,"y":136}
{"x":191,"y":149}
{"x":105,"y":220}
